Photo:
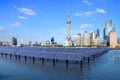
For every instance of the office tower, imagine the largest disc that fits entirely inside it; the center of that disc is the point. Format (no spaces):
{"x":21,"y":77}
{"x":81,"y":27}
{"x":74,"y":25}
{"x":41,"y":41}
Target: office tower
{"x":30,"y":43}
{"x":107,"y":28}
{"x":77,"y":39}
{"x":112,"y":38}
{"x":14,"y":41}
{"x":79,"y":42}
{"x":36,"y":43}
{"x":118,"y":41}
{"x":92,"y":37}
{"x":86,"y":40}
{"x":98,"y":33}
{"x":52,"y":40}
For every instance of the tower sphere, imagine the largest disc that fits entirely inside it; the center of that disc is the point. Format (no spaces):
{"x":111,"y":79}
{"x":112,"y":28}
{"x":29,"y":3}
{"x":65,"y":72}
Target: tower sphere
{"x":68,"y":21}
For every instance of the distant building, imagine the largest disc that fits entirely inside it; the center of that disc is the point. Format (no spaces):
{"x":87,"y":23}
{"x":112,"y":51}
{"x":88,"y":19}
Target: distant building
{"x":14,"y":41}
{"x":92,"y":37}
{"x":112,"y":38}
{"x":79,"y":42}
{"x":52,"y":40}
{"x":98,"y":33}
{"x":35,"y":44}
{"x":86,"y":40}
{"x":108,"y":27}
{"x":30,"y":43}
{"x":95,"y":41}
{"x":101,"y":41}
{"x":118,"y":41}
{"x":77,"y":39}
{"x":47,"y":42}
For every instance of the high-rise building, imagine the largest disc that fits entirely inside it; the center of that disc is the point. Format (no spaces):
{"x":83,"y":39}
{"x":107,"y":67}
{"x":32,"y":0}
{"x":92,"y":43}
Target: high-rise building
{"x":14,"y":41}
{"x":108,"y":27}
{"x":112,"y":38}
{"x":77,"y":39}
{"x":118,"y":41}
{"x":92,"y":37}
{"x":52,"y":40}
{"x":86,"y":40}
{"x":98,"y":32}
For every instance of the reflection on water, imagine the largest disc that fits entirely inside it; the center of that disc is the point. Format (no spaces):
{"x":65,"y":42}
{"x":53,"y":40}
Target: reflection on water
{"x":116,"y":56}
{"x":106,"y":67}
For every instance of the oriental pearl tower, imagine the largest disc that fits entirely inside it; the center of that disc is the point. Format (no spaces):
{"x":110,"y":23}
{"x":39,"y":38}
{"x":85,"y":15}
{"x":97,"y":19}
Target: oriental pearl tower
{"x":68,"y":38}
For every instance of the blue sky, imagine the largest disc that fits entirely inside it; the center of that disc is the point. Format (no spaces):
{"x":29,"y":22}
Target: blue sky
{"x":39,"y":20}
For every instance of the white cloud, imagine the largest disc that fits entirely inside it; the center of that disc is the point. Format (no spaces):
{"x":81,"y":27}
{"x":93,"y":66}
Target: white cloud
{"x":22,"y":17}
{"x":100,"y":10}
{"x":78,"y":14}
{"x":87,"y":2}
{"x":16,"y":24}
{"x":27,"y":11}
{"x":88,"y":13}
{"x":1,"y":28}
{"x":85,"y":25}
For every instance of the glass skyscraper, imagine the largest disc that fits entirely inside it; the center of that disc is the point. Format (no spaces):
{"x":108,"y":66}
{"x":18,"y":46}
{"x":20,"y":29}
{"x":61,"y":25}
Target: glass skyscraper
{"x":108,"y":27}
{"x":98,"y":33}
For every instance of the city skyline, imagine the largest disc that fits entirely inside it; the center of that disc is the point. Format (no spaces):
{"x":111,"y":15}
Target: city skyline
{"x":40,"y":20}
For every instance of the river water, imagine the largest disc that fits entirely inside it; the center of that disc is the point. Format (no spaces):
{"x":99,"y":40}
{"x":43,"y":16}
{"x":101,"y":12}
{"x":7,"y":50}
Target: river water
{"x":106,"y":67}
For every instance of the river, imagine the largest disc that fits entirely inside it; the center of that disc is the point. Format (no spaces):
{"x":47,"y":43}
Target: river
{"x":106,"y":67}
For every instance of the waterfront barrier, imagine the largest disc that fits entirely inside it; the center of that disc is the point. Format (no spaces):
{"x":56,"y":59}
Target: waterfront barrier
{"x":53,"y":53}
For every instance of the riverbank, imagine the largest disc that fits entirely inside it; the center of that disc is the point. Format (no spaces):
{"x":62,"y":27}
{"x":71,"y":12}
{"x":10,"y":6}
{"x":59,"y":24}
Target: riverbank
{"x":117,"y":48}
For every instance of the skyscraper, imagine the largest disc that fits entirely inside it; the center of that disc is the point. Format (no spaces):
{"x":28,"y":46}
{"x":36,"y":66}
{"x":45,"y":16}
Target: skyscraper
{"x":118,"y":41}
{"x":92,"y":37}
{"x":30,"y":43}
{"x":107,"y":28}
{"x":112,"y":38}
{"x":14,"y":41}
{"x":77,"y":39}
{"x":52,"y":40}
{"x":86,"y":40}
{"x":98,"y":33}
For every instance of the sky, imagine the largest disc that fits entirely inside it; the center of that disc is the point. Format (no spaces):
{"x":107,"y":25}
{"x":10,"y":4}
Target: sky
{"x":39,"y":20}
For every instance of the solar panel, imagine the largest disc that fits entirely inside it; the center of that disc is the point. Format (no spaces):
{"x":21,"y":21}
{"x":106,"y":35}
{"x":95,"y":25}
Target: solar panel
{"x":74,"y":54}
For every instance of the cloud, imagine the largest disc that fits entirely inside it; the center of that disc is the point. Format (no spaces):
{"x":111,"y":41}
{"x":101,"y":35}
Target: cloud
{"x":78,"y":14}
{"x":88,"y":13}
{"x":22,"y":17}
{"x":87,"y":2}
{"x":16,"y":24}
{"x":85,"y":25}
{"x":27,"y":11}
{"x":100,"y":10}
{"x":1,"y":28}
